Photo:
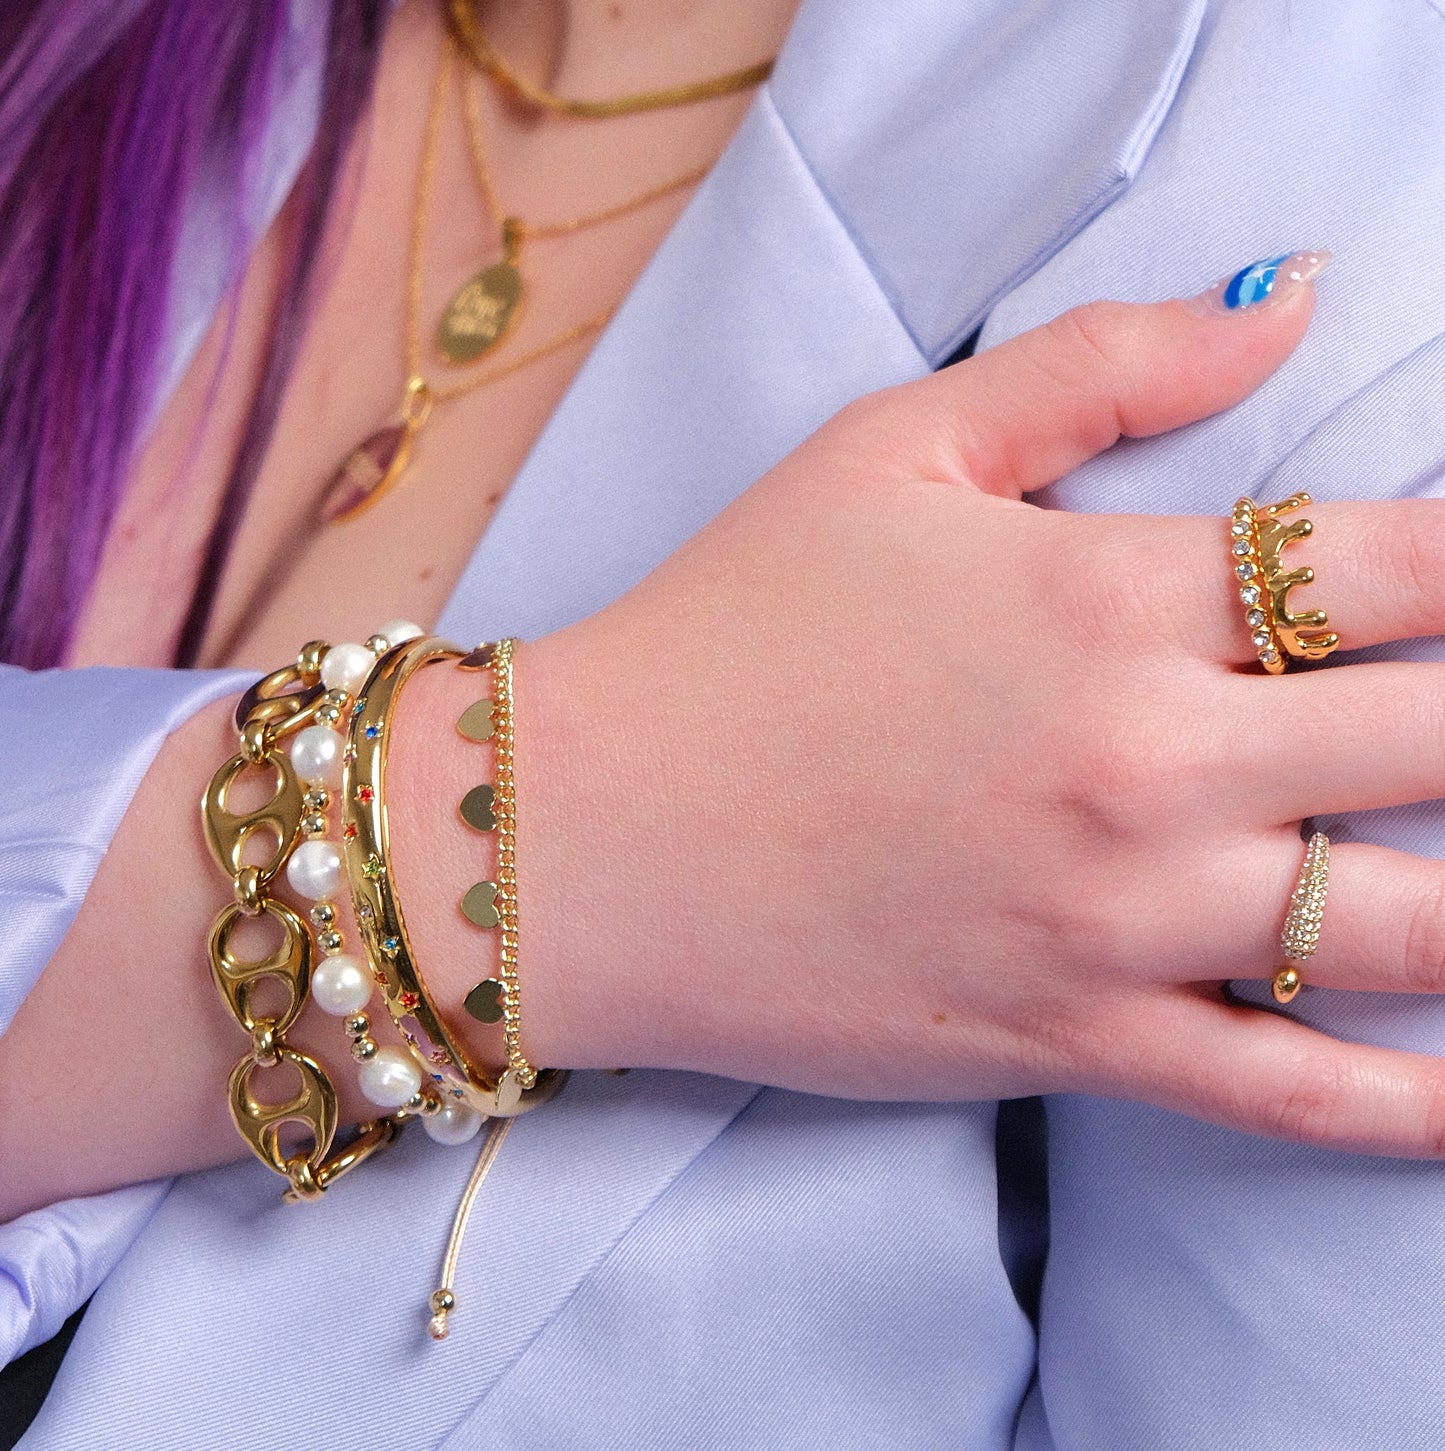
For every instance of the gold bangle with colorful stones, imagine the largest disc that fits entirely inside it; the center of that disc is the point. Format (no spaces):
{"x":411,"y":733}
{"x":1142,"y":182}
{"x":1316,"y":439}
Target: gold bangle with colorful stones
{"x":433,"y":1044}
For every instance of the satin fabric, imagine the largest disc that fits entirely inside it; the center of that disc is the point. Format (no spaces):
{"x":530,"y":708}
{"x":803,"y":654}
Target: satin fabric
{"x":669,"y":1259}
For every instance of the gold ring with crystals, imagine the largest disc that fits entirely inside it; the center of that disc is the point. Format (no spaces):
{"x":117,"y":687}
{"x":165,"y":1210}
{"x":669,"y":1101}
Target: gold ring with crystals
{"x":1301,"y":935}
{"x":1257,"y":536}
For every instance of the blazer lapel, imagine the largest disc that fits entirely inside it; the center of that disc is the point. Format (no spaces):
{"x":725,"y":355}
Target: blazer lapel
{"x":904,"y":168}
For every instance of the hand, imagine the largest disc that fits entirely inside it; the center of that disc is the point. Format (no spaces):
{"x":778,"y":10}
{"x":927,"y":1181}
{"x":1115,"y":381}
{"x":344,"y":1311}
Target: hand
{"x":892,"y":785}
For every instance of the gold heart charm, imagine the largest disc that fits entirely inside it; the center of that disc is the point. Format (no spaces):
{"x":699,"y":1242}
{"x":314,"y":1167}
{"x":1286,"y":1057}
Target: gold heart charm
{"x":478,"y":722}
{"x":478,"y":808}
{"x":509,"y":1095}
{"x":480,"y":905}
{"x":484,"y":1002}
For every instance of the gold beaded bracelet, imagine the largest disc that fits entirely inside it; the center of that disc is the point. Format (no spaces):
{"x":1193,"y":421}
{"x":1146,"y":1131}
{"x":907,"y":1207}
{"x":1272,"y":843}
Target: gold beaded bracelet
{"x":378,"y":912}
{"x":487,"y":808}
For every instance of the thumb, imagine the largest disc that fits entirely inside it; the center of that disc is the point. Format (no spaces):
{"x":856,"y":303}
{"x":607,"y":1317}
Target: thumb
{"x":1026,"y":412}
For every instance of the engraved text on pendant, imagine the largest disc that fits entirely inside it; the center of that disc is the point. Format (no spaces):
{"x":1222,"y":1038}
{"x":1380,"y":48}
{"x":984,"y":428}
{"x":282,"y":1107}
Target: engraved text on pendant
{"x":480,"y":314}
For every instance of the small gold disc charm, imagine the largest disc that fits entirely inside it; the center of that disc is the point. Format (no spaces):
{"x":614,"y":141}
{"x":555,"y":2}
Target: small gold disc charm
{"x":480,"y":905}
{"x":478,"y":808}
{"x":478,"y":722}
{"x":484,"y":1002}
{"x":480,"y":314}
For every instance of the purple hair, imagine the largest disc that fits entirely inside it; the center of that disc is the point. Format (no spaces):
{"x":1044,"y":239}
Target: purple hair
{"x":107,"y":115}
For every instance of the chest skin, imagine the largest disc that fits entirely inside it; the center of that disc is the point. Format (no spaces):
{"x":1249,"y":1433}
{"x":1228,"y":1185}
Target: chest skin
{"x":289,"y":578}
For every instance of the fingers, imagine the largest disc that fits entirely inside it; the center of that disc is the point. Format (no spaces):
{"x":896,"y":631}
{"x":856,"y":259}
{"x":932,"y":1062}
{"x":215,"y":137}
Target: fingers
{"x":1380,"y":569}
{"x":1353,"y":738}
{"x":1359,"y":736}
{"x":1384,"y":923}
{"x":1021,"y":415}
{"x":1258,"y":1071}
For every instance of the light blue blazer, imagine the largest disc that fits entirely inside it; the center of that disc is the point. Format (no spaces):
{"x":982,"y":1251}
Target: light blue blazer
{"x":668,"y":1260}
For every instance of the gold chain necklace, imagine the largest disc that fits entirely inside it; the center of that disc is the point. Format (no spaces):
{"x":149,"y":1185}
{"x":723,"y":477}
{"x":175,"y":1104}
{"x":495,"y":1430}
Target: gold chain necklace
{"x":482,"y":310}
{"x":476,"y":319}
{"x":483,"y":56}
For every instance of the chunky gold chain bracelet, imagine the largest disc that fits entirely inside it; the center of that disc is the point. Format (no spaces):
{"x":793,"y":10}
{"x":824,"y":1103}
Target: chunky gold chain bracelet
{"x":276,"y":706}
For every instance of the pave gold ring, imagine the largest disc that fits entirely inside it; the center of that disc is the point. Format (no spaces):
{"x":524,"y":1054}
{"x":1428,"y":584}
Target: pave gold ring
{"x":1301,"y":935}
{"x":1257,"y":535}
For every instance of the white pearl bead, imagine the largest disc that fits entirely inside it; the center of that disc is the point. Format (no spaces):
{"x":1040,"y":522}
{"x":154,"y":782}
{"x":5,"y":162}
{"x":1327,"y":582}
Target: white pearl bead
{"x":345,"y":667}
{"x":316,"y":755}
{"x":340,"y":985}
{"x":389,"y":1077}
{"x":314,"y":870}
{"x":455,"y":1124}
{"x":394,"y":632}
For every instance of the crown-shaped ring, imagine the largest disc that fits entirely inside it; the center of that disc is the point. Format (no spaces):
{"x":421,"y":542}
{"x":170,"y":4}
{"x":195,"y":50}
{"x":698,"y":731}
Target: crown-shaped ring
{"x":1258,"y":535}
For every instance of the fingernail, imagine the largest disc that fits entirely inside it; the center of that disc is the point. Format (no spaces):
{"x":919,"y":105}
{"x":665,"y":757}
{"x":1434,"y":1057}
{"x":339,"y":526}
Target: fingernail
{"x":1264,"y":284}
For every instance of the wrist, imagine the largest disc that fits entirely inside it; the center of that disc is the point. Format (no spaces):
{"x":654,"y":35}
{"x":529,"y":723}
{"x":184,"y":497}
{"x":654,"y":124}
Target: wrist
{"x":575,"y":998}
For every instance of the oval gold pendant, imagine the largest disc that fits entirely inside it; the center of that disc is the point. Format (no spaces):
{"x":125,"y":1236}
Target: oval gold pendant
{"x":478,"y":317}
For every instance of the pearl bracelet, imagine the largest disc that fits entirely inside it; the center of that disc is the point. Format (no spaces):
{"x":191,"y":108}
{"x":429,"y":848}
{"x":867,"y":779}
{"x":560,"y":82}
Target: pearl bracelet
{"x":389,"y":1077}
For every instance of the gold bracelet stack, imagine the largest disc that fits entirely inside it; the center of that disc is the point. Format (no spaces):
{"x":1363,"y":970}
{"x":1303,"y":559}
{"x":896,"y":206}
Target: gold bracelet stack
{"x":432,"y":1076}
{"x":381,"y":921}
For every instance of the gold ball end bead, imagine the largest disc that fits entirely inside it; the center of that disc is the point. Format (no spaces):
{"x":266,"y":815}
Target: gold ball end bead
{"x":1257,"y":536}
{"x":1301,"y":936}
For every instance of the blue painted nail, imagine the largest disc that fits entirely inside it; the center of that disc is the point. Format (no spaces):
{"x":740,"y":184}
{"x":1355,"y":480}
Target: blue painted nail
{"x":1265,"y":283}
{"x":1253,"y":283}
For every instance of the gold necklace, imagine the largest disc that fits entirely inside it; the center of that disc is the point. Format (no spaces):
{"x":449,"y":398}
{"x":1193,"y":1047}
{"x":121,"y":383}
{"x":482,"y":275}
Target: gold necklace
{"x":483,"y":56}
{"x":482,"y":310}
{"x":476,"y":319}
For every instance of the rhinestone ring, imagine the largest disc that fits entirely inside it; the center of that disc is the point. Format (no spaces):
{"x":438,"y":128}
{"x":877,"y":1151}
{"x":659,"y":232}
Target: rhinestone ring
{"x":1256,"y":537}
{"x":1301,"y":935}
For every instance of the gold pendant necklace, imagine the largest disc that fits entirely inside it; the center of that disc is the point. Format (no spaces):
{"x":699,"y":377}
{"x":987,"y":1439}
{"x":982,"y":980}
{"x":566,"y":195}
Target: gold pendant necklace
{"x":378,"y":461}
{"x":481,"y":313}
{"x":479,"y":316}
